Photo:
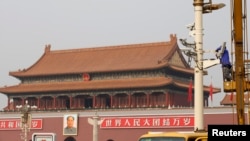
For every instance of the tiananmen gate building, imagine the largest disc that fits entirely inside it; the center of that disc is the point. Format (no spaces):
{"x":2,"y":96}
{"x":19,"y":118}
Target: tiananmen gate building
{"x":131,"y":89}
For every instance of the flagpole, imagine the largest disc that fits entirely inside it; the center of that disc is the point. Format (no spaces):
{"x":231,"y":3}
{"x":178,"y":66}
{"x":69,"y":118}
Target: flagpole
{"x":190,"y":92}
{"x":231,"y":98}
{"x":211,"y":91}
{"x":191,"y":101}
{"x":212,"y":104}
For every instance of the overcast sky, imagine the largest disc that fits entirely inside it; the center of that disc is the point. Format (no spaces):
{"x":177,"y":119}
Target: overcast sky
{"x":27,"y":26}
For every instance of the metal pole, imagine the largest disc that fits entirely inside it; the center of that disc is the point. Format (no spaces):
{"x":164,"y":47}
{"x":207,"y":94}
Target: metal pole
{"x":25,"y":131}
{"x":239,"y":66}
{"x":95,"y":128}
{"x":25,"y":120}
{"x":95,"y":122}
{"x":198,"y":84}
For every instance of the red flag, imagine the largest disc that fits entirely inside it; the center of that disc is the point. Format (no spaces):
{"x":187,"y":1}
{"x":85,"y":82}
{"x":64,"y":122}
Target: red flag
{"x":211,"y":91}
{"x":190,"y":91}
{"x":232,"y":96}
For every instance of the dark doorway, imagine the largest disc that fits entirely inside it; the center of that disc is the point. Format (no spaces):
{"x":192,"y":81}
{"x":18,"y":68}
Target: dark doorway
{"x":67,"y":104}
{"x":108,"y":102}
{"x":70,"y":139}
{"x":88,"y":103}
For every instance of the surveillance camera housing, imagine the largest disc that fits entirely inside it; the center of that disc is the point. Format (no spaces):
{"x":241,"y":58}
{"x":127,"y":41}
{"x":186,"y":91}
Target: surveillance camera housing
{"x":191,"y":26}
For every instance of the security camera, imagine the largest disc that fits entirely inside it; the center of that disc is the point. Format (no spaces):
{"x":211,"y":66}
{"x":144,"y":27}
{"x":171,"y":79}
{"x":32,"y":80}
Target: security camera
{"x":189,"y":52}
{"x":185,"y":49}
{"x":185,"y":43}
{"x":191,"y":26}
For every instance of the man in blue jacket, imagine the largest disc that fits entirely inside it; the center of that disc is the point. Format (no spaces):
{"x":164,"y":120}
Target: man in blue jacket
{"x":222,"y":53}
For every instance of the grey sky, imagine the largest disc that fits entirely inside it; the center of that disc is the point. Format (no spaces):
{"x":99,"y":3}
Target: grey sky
{"x":27,"y":26}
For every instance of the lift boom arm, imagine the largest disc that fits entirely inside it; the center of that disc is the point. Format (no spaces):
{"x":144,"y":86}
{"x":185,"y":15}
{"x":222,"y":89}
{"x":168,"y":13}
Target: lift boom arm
{"x":239,"y":65}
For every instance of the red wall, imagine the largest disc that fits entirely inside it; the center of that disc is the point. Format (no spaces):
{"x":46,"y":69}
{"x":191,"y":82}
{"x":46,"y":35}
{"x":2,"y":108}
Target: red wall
{"x":55,"y":125}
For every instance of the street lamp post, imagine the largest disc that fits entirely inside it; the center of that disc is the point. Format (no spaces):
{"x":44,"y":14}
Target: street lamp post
{"x":95,"y":121}
{"x":200,"y":8}
{"x":198,"y":70}
{"x":25,"y":120}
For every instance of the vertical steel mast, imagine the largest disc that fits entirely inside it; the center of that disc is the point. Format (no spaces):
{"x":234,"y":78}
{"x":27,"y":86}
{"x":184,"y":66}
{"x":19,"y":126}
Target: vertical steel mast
{"x":200,"y":8}
{"x":198,"y":74}
{"x":239,"y":64}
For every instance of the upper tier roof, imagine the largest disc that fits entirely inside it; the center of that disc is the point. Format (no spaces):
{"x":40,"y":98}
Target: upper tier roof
{"x":105,"y":59}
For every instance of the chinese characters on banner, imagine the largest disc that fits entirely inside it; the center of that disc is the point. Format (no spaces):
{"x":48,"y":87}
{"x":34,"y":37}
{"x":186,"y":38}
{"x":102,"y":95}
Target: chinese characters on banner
{"x":117,"y":122}
{"x":15,"y":124}
{"x":148,"y":122}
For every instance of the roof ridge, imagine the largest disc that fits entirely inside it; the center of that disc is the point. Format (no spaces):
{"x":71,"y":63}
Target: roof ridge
{"x":136,"y":45}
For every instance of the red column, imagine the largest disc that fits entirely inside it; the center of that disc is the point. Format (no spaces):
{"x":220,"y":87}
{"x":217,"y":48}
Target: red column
{"x":54,"y":102}
{"x":111,"y":101}
{"x":38,"y":103}
{"x":94,"y":101}
{"x":79,"y":103}
{"x":98,"y":102}
{"x":147,"y":99}
{"x":166,"y":96}
{"x":70,"y":102}
{"x":8,"y":103}
{"x":130,"y":99}
{"x":169,"y":99}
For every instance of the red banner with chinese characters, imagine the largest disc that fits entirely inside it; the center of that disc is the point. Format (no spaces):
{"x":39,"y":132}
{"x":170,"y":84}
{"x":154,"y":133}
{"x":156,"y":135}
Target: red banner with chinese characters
{"x":148,"y":122}
{"x":15,"y":124}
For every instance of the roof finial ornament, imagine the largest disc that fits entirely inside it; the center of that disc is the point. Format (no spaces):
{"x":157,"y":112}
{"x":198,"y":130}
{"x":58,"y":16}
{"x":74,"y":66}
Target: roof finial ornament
{"x":47,"y":48}
{"x":172,"y":36}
